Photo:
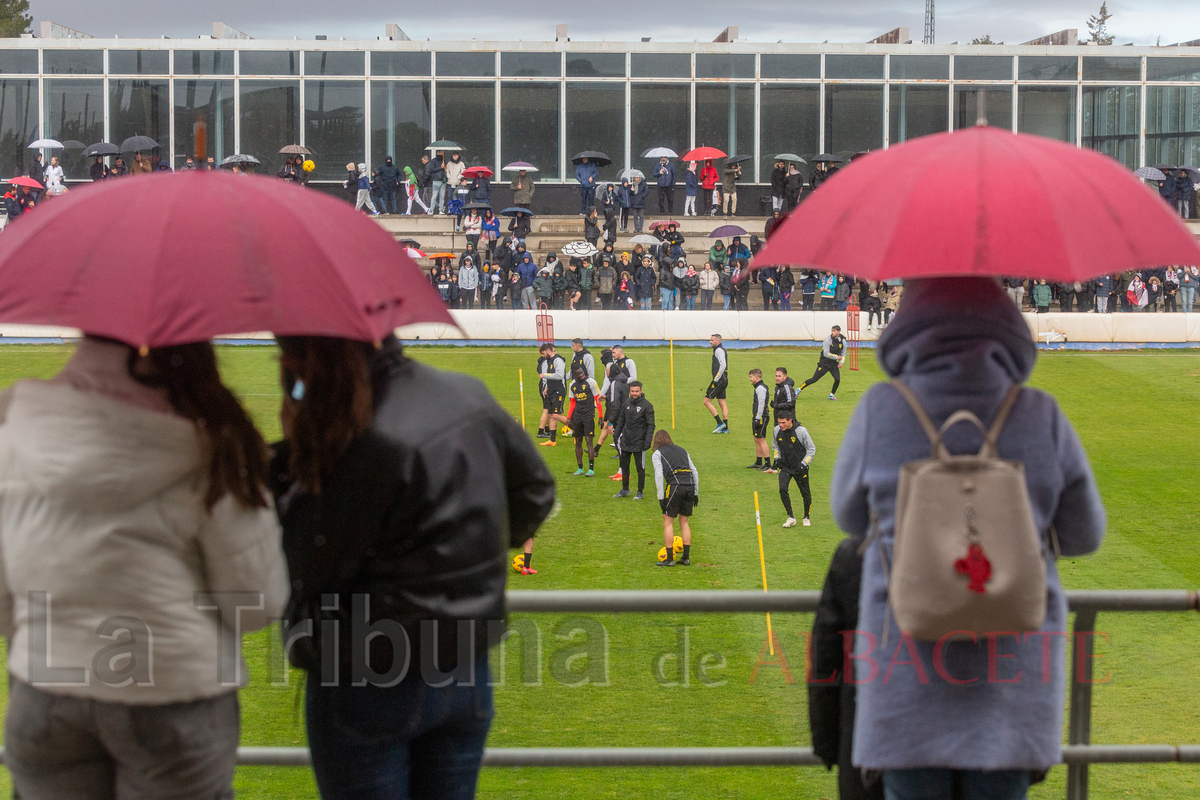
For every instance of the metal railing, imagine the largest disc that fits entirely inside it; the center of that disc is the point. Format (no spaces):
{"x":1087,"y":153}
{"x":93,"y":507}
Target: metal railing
{"x":1078,"y":753}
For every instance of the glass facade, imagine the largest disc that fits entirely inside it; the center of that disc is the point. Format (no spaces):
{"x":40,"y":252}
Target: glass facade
{"x":529,"y":127}
{"x":18,"y":124}
{"x":1111,"y":118}
{"x":140,"y":108}
{"x":74,"y":112}
{"x":917,"y":111}
{"x":212,"y":101}
{"x":853,"y":118}
{"x":400,"y":121}
{"x":334,"y":123}
{"x":543,"y":102}
{"x":596,"y":121}
{"x":269,"y":118}
{"x":1172,"y":125}
{"x":466,"y":114}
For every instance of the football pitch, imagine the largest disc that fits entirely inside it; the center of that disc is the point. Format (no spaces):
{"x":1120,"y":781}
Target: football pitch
{"x":689,"y":680}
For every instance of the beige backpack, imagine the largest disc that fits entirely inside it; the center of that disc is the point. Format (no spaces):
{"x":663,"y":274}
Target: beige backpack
{"x":968,"y":559}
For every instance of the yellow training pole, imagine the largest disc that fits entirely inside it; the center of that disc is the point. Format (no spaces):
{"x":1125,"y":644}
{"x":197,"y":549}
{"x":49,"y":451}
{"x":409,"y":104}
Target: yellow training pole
{"x":672,"y":384}
{"x":521,"y":383}
{"x":762,"y":561}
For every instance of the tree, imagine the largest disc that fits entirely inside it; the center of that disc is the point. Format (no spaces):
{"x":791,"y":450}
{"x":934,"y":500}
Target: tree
{"x":1098,"y":25}
{"x":985,"y":39}
{"x":13,"y":18}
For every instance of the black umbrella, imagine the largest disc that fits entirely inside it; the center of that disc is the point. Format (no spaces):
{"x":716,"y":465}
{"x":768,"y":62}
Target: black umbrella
{"x":599,"y":158}
{"x":476,"y":206}
{"x":137,"y":143}
{"x":411,"y":243}
{"x":738,"y":159}
{"x":826,"y":158}
{"x":102,"y":149}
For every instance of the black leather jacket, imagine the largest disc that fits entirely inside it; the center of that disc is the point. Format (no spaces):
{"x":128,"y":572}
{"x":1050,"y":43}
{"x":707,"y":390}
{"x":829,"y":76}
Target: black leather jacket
{"x":418,"y":514}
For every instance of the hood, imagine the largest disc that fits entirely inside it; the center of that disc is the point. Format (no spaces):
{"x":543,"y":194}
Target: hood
{"x":527,"y":259}
{"x":967,"y":328}
{"x":362,"y":167}
{"x":94,"y":452}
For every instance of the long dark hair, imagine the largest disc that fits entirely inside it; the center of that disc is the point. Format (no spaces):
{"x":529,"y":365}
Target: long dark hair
{"x":238,"y":454}
{"x":661,"y":439}
{"x":334,"y":408}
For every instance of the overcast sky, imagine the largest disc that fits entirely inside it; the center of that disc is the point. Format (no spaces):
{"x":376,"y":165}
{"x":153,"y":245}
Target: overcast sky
{"x":1013,"y":21}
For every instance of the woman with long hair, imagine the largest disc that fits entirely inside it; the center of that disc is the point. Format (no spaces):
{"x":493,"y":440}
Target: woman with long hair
{"x":401,"y":489}
{"x":134,"y":498}
{"x":678,"y":485}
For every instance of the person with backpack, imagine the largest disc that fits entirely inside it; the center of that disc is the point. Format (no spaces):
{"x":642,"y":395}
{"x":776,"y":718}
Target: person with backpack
{"x":678,"y":483}
{"x":959,"y":344}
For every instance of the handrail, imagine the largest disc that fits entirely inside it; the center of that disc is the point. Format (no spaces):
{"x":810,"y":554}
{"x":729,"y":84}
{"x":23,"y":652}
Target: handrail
{"x":1077,"y":755}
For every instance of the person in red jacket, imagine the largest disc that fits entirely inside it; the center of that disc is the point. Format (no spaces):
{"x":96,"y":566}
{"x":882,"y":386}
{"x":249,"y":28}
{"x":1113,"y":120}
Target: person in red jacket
{"x":708,"y":182}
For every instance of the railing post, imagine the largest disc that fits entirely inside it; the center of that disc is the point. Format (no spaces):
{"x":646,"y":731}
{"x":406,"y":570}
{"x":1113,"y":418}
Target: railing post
{"x":1080,"y":729}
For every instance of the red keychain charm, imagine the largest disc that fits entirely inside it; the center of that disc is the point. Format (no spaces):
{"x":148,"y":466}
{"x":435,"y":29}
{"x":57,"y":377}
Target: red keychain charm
{"x":976,"y":567}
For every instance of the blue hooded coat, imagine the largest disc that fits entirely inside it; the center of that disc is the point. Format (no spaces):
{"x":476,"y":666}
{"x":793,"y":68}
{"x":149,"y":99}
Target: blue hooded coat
{"x":961,"y":343}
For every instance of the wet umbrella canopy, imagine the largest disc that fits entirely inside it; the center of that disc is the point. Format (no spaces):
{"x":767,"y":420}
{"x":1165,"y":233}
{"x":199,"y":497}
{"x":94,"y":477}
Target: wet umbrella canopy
{"x":983,"y":201}
{"x":101,"y":149}
{"x":136,"y":143}
{"x":296,"y":262}
{"x":594,"y":156}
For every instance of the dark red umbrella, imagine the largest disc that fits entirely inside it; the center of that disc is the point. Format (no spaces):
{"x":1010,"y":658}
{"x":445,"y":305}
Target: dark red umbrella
{"x":171,"y":259}
{"x":982,"y":201}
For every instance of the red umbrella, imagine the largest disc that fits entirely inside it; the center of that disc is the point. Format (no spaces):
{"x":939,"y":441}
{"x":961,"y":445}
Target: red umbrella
{"x":180,"y":258}
{"x":22,"y":180}
{"x":479,"y":172}
{"x":663,"y":223}
{"x":982,"y":201}
{"x":702,"y":154}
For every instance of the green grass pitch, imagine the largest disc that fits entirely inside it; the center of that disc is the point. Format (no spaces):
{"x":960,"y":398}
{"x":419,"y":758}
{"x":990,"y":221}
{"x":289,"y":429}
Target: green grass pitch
{"x":1136,"y":413}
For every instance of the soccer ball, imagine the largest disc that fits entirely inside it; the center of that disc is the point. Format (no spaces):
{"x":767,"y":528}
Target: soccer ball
{"x":677,"y":547}
{"x":309,"y":165}
{"x":519,"y":562}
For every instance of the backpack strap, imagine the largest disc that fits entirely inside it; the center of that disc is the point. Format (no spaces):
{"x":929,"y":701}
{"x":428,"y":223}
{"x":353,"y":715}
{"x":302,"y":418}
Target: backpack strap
{"x":918,"y":410}
{"x":1010,"y":400}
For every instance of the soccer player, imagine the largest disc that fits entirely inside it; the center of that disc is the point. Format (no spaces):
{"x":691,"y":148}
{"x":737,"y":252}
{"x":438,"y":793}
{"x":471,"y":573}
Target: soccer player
{"x":759,"y":422}
{"x":616,"y":392}
{"x":528,"y":569}
{"x":624,"y":363}
{"x":678,"y":485}
{"x":552,"y":371}
{"x":582,"y":359}
{"x":784,"y":400}
{"x":581,"y":417}
{"x":635,"y":433}
{"x":720,"y":381}
{"x":796,"y":451}
{"x":833,"y":355}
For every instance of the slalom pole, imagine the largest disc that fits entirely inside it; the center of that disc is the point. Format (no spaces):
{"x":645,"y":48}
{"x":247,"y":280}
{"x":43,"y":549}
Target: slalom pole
{"x":673,"y":385}
{"x":762,"y":561}
{"x":521,"y":384}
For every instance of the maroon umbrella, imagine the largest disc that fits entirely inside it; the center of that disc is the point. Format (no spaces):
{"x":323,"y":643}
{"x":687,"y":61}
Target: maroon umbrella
{"x":171,"y":259}
{"x":982,"y":201}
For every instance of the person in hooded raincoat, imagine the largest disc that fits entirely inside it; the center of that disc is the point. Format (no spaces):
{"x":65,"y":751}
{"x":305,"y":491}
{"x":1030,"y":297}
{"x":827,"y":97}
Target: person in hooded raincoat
{"x":951,"y":713}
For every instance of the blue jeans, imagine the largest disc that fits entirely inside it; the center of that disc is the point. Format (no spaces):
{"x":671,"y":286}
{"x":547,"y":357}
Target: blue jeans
{"x":437,"y":200}
{"x":1189,"y":299}
{"x":647,"y":303}
{"x":667,"y":298}
{"x":785,"y":301}
{"x":691,"y":302}
{"x":372,"y":743}
{"x":938,"y":784}
{"x":389,"y":201}
{"x":726,"y":298}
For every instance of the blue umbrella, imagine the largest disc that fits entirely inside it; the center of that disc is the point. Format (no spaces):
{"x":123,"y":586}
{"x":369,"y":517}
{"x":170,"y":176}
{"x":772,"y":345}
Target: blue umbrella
{"x":515,"y":210}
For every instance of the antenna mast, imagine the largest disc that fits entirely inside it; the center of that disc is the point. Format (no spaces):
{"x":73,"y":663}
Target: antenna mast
{"x":928,"y":22}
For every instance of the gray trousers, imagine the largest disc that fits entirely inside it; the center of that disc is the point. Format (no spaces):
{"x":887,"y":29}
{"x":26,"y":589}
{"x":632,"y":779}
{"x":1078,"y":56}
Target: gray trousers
{"x":69,"y":748}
